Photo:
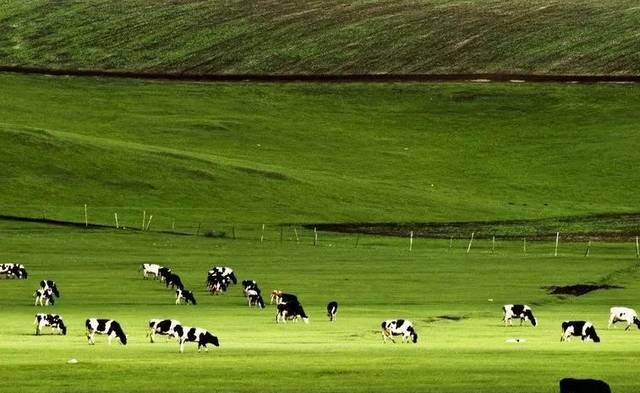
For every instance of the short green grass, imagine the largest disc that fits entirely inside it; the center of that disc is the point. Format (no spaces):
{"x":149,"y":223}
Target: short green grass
{"x":285,"y":37}
{"x":96,"y":271}
{"x":301,"y":153}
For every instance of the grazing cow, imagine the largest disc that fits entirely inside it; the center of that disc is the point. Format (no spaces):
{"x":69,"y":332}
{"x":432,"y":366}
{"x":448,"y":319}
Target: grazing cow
{"x":254,"y":298}
{"x":165,"y":327}
{"x":582,"y":329}
{"x":399,"y":327}
{"x":623,"y":314}
{"x":332,"y":310}
{"x":44,"y":297}
{"x":521,"y":311}
{"x":187,"y":296}
{"x":13,"y":270}
{"x":572,"y":385}
{"x":104,"y":326}
{"x":155,"y":270}
{"x":224,"y":272}
{"x":174,"y":281}
{"x":291,"y":311}
{"x":216,"y":286}
{"x":52,"y":320}
{"x":198,"y":335}
{"x":46,"y":284}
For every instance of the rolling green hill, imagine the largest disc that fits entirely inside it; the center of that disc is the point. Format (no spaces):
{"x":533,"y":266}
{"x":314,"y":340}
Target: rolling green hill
{"x":256,"y":153}
{"x":288,"y":37}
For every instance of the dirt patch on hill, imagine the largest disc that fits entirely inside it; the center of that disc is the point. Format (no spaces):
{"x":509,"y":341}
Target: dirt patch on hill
{"x":440,"y":318}
{"x":578,"y":289}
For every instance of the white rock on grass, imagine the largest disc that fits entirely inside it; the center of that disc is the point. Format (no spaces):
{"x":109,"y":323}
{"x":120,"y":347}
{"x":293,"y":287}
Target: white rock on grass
{"x":516,"y":340}
{"x":72,"y":361}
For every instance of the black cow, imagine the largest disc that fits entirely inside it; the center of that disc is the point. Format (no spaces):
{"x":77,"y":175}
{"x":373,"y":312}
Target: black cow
{"x":582,"y":329}
{"x":332,"y":310}
{"x":174,"y":281}
{"x":291,"y":311}
{"x":572,"y":385}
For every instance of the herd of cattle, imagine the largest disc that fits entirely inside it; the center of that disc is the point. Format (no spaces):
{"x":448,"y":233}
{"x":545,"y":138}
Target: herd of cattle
{"x":288,"y":307}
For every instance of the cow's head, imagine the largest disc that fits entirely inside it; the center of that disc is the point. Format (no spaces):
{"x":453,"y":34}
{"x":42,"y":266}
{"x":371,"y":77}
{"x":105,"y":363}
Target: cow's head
{"x":62,"y":327}
{"x":54,"y":288}
{"x":209,"y":338}
{"x":591,"y":333}
{"x":529,"y":315}
{"x":191,"y":298}
{"x":413,"y":334}
{"x":636,"y":321}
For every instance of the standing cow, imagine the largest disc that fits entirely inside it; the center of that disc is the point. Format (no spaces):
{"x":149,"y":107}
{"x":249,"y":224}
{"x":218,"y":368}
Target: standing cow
{"x":165,"y":327}
{"x":332,"y":310}
{"x":198,"y":335}
{"x":583,"y":329}
{"x":52,"y":320}
{"x":104,"y":326}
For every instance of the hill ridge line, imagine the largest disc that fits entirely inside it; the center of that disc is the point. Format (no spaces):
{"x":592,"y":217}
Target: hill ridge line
{"x":326,"y":78}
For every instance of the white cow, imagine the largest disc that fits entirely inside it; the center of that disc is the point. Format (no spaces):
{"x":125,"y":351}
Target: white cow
{"x":623,"y":314}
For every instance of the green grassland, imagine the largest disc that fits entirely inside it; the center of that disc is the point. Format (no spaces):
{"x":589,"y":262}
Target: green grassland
{"x":289,"y":37}
{"x":97,"y":273}
{"x":301,"y":153}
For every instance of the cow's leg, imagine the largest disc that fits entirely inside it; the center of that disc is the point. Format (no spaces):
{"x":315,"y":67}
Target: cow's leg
{"x":152,"y":335}
{"x":110,"y":337}
{"x":181,"y":345}
{"x":628,"y":326}
{"x":612,"y":318}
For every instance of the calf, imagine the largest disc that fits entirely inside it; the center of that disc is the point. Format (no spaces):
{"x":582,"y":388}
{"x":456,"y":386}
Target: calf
{"x":254,"y":298}
{"x":582,"y":329}
{"x":291,"y":311}
{"x":623,"y":314}
{"x":332,"y":310}
{"x":52,"y":320}
{"x":174,"y":281}
{"x":104,"y":326}
{"x":398,"y":327}
{"x":521,"y":311}
{"x":44,"y":297}
{"x":165,"y":327}
{"x":46,"y":284}
{"x":187,"y":296}
{"x":571,"y":385}
{"x":198,"y":335}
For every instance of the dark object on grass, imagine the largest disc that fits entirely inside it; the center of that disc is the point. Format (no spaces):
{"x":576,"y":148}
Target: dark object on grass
{"x":578,"y":289}
{"x":572,"y":385}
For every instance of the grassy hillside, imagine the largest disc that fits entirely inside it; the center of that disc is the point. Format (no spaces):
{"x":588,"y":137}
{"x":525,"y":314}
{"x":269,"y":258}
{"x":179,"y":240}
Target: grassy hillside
{"x":259,"y":153}
{"x":283,"y":37}
{"x":96,"y":272}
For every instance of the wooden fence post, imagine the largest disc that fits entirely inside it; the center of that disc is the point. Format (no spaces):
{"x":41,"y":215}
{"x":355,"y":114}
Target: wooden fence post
{"x":524,"y":245}
{"x":586,"y":254}
{"x":493,"y":244}
{"x":86,"y":217}
{"x":315,"y":236}
{"x":637,"y":248}
{"x":411,"y":241}
{"x":148,"y":222}
{"x":470,"y":241}
{"x":555,"y":254}
{"x":295,"y":232}
{"x":262,"y":234}
{"x":116,"y":216}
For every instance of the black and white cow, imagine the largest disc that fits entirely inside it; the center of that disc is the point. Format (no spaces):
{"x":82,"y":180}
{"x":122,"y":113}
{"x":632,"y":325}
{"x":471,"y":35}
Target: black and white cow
{"x":46,"y":284}
{"x":332,"y":310}
{"x":53,"y":320}
{"x":198,"y":335}
{"x":398,"y":327}
{"x":165,"y":327}
{"x":287,"y":298}
{"x":623,"y":314}
{"x":216,"y":285}
{"x":291,"y":311}
{"x":104,"y":326}
{"x":13,"y":270}
{"x":254,"y":298}
{"x":582,"y":329}
{"x":521,"y":311}
{"x":572,"y":385}
{"x":173,"y":281}
{"x":154,"y":270}
{"x":44,"y":297}
{"x":186,"y":295}
{"x":224,"y":271}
